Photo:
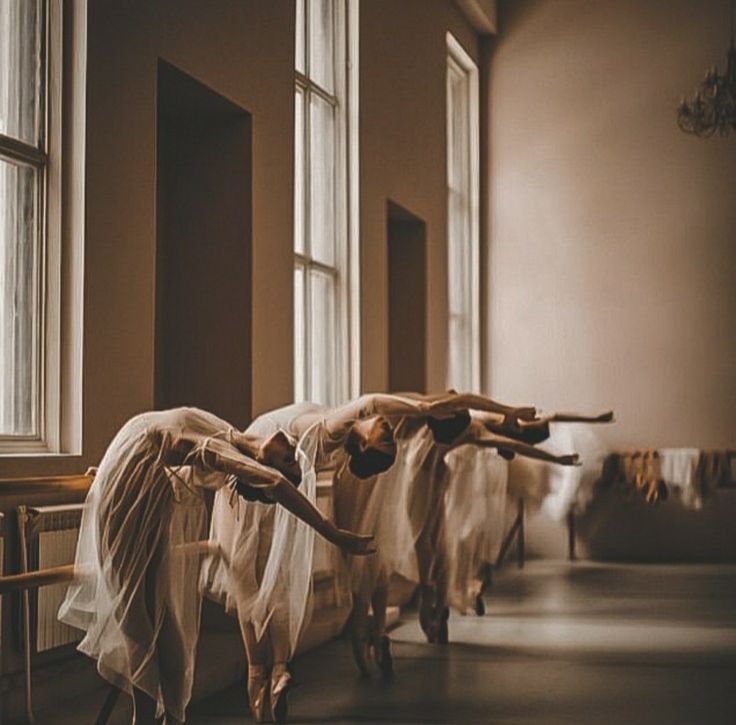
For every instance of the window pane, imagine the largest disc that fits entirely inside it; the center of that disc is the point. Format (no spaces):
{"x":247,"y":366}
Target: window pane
{"x":300,"y":34}
{"x":299,"y":152}
{"x":462,"y":303}
{"x":322,"y":43}
{"x":300,"y":363}
{"x":19,"y":308}
{"x":323,"y":337}
{"x":20,"y":69}
{"x":322,"y":180}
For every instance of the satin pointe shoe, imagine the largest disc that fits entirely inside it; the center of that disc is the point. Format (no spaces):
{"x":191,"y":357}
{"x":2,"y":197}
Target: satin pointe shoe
{"x":281,"y":684}
{"x":443,"y":636}
{"x":360,"y":648}
{"x":258,"y":694}
{"x":382,"y":656}
{"x":426,"y":614}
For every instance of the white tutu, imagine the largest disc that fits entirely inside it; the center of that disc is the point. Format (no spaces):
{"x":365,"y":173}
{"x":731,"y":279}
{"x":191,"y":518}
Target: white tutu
{"x":475,"y":515}
{"x":270,"y":551}
{"x":137,"y":597}
{"x":557,"y":489}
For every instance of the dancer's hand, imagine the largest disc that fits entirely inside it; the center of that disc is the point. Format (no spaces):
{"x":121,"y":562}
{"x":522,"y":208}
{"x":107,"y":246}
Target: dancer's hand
{"x":573,"y":459}
{"x":525,"y":413}
{"x":355,"y":544}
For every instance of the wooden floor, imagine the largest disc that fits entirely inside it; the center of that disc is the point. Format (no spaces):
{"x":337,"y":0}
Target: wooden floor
{"x":560,"y":643}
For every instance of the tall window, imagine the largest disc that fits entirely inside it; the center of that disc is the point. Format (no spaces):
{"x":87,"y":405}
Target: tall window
{"x":30,"y":221}
{"x":325,"y":213}
{"x":463,"y":233}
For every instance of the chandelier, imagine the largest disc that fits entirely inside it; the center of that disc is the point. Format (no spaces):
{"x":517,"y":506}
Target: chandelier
{"x":713,"y":108}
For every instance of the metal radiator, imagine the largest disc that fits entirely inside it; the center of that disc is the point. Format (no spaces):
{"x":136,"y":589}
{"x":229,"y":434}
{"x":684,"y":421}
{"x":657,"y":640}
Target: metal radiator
{"x":52,"y":541}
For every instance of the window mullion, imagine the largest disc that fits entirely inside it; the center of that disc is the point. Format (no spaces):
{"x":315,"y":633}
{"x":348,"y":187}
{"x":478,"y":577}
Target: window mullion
{"x":14,"y":150}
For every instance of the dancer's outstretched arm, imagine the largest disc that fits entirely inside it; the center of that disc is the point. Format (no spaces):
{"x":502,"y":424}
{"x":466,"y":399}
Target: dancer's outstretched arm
{"x":276,"y":487}
{"x":452,"y":402}
{"x":606,"y":417}
{"x":523,"y":449}
{"x":339,"y":420}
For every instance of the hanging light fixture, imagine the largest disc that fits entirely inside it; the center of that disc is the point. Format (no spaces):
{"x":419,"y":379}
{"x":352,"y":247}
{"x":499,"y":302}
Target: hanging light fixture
{"x":713,"y":108}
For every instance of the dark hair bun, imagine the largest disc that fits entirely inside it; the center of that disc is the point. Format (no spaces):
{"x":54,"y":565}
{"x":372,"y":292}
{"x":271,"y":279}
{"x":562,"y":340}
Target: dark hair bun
{"x":446,"y":430}
{"x":370,"y":462}
{"x":532,"y":433}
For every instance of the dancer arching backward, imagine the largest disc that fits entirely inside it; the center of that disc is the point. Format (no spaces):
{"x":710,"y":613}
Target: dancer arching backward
{"x":537,"y":430}
{"x":355,"y":438}
{"x":137,"y":597}
{"x":423,"y":482}
{"x":382,"y":505}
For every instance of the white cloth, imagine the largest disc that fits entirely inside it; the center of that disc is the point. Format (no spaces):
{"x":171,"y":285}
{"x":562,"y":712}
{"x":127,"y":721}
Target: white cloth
{"x":678,"y":468}
{"x":137,"y":599}
{"x":270,"y":551}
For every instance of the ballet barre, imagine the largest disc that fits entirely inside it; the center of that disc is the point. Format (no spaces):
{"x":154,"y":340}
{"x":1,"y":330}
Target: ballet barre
{"x":26,"y":581}
{"x":516,"y":532}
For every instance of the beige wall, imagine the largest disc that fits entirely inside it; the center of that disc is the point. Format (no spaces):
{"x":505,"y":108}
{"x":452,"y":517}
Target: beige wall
{"x":612,"y":234}
{"x":243,"y":50}
{"x":402,"y":118}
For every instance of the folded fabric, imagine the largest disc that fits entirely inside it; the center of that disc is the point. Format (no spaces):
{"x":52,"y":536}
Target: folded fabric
{"x":678,"y":467}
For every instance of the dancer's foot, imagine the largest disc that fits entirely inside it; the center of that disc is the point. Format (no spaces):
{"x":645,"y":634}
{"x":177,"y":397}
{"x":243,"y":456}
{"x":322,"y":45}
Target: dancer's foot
{"x":382,"y":656}
{"x":443,"y":636}
{"x":360,"y":653}
{"x":480,"y":605}
{"x":258,"y":694}
{"x":427,"y":614}
{"x":281,"y":683}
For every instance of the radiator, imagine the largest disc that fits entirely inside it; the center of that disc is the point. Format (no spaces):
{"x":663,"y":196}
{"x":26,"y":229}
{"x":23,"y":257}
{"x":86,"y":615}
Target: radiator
{"x":52,"y":539}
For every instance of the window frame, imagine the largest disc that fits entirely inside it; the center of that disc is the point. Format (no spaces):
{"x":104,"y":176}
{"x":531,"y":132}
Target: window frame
{"x":59,"y":159}
{"x":344,"y":271}
{"x":459,"y":60}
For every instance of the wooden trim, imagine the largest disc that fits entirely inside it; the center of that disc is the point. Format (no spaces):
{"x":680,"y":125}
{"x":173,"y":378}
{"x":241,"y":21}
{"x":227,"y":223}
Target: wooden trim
{"x":77,"y":485}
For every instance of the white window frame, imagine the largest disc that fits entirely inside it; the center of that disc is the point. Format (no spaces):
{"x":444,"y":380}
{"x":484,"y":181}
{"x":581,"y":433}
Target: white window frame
{"x":59,"y":156}
{"x":460,"y":62}
{"x":345,"y":271}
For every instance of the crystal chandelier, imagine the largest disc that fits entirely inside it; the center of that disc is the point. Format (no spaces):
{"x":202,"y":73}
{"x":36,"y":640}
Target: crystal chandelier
{"x":713,"y":108}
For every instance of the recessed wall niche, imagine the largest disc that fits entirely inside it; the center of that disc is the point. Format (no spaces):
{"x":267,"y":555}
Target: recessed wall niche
{"x":407,"y":297}
{"x":203,"y":273}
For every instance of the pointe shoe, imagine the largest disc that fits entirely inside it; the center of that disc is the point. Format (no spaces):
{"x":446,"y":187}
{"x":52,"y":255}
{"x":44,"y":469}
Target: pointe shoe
{"x":382,"y":656}
{"x":443,"y":635}
{"x":426,"y":615}
{"x":281,"y":683}
{"x":480,"y":605}
{"x":360,"y":654}
{"x":258,"y":697}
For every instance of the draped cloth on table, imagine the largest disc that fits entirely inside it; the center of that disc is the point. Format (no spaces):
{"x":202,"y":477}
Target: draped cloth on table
{"x":691,"y":473}
{"x":137,"y":598}
{"x":270,"y":551}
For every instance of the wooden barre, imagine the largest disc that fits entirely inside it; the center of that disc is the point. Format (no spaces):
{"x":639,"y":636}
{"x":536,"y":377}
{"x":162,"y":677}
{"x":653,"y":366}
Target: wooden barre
{"x":35,"y":579}
{"x":67,"y":572}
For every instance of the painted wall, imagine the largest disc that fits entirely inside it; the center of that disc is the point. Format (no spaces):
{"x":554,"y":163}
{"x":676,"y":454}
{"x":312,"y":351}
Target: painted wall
{"x":243,"y":50}
{"x":612,"y":233}
{"x":403,"y":57}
